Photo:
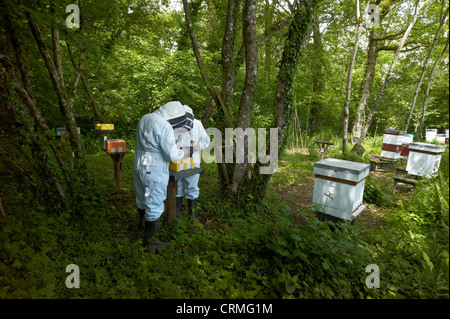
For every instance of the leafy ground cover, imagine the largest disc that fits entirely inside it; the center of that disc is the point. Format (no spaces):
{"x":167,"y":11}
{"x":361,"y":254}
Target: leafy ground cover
{"x":277,"y":250}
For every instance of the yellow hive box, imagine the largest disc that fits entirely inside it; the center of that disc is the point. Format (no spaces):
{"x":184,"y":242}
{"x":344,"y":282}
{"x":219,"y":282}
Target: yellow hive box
{"x":181,"y":165}
{"x":104,"y":127}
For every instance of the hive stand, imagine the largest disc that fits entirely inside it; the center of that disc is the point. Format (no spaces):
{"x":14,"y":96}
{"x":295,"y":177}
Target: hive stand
{"x":104,"y":134}
{"x":383,"y":162}
{"x":172,"y":189}
{"x":406,"y":179}
{"x":323,"y":146}
{"x":117,"y":159}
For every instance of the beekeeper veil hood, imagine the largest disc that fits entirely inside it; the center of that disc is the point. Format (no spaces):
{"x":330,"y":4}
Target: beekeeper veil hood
{"x":189,"y":117}
{"x":174,"y":113}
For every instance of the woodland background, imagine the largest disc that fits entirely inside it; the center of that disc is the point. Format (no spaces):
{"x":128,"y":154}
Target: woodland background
{"x":311,"y":68}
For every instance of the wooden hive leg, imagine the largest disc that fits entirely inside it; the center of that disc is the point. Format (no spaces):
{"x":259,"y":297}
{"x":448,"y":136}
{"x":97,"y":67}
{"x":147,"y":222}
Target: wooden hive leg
{"x":395,"y":186}
{"x":172,"y":189}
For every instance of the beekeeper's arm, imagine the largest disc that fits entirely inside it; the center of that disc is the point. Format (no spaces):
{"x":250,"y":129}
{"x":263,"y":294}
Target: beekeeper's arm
{"x":169,"y":147}
{"x":204,"y":139}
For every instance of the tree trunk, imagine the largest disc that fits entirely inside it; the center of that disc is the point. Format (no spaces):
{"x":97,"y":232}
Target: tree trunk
{"x":86,"y":87}
{"x":373,"y":48}
{"x":212,"y":90}
{"x":228,"y":73}
{"x":317,"y":75}
{"x":391,"y":68}
{"x":348,"y":89}
{"x":419,"y":127}
{"x":249,"y":91}
{"x":298,"y":36}
{"x":366,"y":84}
{"x":424,"y":68}
{"x":65,"y":104}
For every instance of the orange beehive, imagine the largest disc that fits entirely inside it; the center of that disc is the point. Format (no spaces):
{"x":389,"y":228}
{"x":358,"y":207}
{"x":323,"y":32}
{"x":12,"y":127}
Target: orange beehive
{"x":115,"y":146}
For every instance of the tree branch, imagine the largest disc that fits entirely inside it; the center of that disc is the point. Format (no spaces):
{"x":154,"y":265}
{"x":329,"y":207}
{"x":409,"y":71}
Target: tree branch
{"x":86,"y":87}
{"x":215,"y":95}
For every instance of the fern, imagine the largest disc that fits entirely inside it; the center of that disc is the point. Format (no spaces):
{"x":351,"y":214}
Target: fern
{"x":433,"y":277}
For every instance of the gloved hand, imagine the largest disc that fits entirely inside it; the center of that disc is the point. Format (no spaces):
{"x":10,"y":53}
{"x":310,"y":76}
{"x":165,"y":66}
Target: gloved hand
{"x":185,"y":151}
{"x":197,"y":147}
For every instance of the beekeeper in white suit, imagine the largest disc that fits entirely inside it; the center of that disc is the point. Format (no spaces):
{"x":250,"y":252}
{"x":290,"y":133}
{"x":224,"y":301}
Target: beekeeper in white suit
{"x":155,"y":147}
{"x":198,"y":138}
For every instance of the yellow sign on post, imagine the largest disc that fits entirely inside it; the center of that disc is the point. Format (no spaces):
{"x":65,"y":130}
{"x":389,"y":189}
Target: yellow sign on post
{"x":104,"y":127}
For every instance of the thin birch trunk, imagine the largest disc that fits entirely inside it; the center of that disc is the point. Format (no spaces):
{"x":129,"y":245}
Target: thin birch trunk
{"x":348,"y":89}
{"x":424,"y":68}
{"x":418,"y":129}
{"x":418,"y":11}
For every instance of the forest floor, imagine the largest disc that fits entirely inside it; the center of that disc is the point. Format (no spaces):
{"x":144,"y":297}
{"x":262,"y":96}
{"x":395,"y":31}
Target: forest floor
{"x":298,"y":192}
{"x":293,"y":183}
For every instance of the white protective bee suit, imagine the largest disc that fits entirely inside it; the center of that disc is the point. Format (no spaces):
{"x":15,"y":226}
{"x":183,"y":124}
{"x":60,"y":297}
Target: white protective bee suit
{"x":197,"y":135}
{"x":155,"y":147}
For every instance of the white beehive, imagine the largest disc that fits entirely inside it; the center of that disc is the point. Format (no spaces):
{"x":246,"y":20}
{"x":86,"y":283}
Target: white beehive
{"x":392,"y":143}
{"x":424,"y":159}
{"x":440,"y":138}
{"x":430,"y":134}
{"x":339,"y":187}
{"x":407,"y":139}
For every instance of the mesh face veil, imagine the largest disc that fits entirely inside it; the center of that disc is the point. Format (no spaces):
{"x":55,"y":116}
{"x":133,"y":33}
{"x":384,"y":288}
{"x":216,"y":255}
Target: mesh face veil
{"x":174,"y":113}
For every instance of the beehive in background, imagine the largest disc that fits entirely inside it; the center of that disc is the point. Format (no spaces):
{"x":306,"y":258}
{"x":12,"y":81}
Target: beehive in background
{"x":424,"y":159}
{"x":182,"y":165}
{"x":339,"y":187}
{"x":115,"y":146}
{"x":430,"y":134}
{"x":440,"y":138}
{"x":62,"y":130}
{"x":392,"y":143}
{"x":104,"y":127}
{"x":407,"y":139}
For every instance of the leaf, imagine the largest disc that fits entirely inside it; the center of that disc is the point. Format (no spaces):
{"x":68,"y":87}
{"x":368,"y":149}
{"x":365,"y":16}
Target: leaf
{"x":428,"y":261}
{"x":290,"y":286}
{"x":325,"y":265}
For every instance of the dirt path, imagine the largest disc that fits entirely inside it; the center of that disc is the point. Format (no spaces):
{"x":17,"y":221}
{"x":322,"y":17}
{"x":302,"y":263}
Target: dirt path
{"x":297,"y":191}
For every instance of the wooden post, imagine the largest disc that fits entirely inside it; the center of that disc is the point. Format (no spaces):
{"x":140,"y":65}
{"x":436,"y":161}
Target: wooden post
{"x":172,"y":189}
{"x":104,"y":140}
{"x":117,"y":159}
{"x":117,"y":168}
{"x":2,"y":211}
{"x":322,"y":148}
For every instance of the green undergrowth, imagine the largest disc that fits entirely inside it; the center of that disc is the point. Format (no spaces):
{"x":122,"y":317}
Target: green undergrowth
{"x":236,"y":251}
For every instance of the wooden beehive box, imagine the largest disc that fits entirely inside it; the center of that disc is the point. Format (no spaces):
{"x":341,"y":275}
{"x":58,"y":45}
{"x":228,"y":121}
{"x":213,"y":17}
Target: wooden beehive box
{"x":339,"y":187}
{"x":181,"y":165}
{"x":424,"y":159}
{"x":115,"y":146}
{"x":392,"y":142}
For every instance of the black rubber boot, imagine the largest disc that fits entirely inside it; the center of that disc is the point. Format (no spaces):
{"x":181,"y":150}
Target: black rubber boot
{"x":151,"y":238}
{"x":179,"y":200}
{"x":141,"y":218}
{"x":192,"y":204}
